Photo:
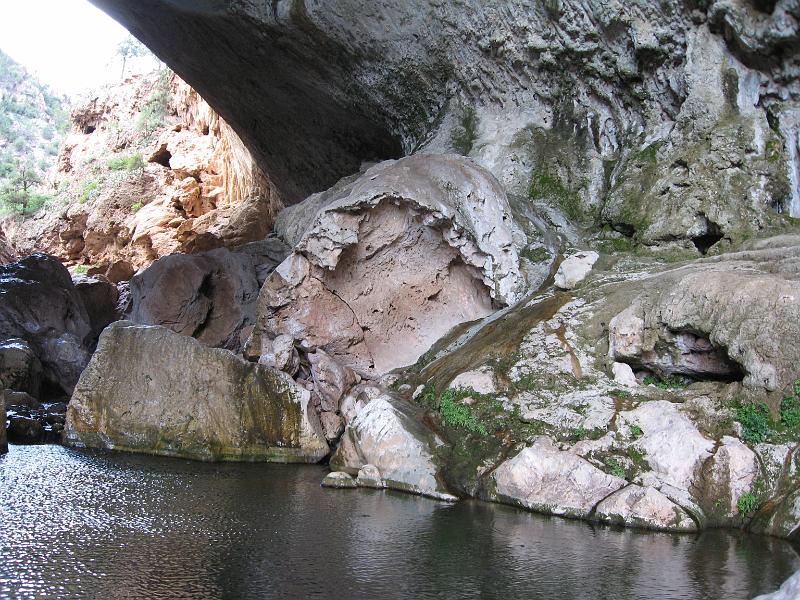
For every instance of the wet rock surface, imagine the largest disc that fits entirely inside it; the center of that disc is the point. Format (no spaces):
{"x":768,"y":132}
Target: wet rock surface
{"x":216,"y":407}
{"x":385,"y":432}
{"x":42,"y":320}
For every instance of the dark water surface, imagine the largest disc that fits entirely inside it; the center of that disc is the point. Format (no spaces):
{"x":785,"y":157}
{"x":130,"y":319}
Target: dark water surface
{"x":103,"y":525}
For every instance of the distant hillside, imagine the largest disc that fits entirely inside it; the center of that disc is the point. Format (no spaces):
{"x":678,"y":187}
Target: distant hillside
{"x":33,"y":121}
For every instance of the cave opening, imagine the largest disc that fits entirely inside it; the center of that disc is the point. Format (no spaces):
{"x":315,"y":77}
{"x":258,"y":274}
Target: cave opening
{"x":704,"y":242}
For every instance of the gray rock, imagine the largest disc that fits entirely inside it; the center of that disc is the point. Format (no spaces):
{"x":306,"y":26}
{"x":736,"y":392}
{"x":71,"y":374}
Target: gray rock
{"x":545,"y":479}
{"x":386,"y":433}
{"x":644,"y":507}
{"x":100,"y":297}
{"x":339,"y":479}
{"x":790,"y":590}
{"x":210,"y":296}
{"x":41,"y":306}
{"x":331,"y":380}
{"x":574,"y":269}
{"x":21,"y":399}
{"x":201,"y":403}
{"x":20,"y":368}
{"x":370,"y":476}
{"x":24,"y":430}
{"x":281,"y":354}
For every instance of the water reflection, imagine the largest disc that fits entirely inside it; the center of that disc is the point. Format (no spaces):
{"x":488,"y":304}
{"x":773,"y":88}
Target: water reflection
{"x":121,"y":526}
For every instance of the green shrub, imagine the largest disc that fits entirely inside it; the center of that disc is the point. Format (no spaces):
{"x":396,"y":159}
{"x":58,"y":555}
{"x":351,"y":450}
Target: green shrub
{"x":635,"y":431}
{"x":89,"y":191}
{"x":133,"y":162}
{"x":668,"y":383}
{"x":790,"y":411}
{"x":82,"y":269}
{"x":747,"y":503}
{"x":755,"y":422}
{"x":136,"y":206}
{"x":458,"y":415}
{"x":152,"y":115}
{"x":615,"y":467}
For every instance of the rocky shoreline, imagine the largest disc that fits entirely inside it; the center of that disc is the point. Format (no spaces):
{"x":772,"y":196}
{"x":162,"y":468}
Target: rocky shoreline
{"x":546,"y":255}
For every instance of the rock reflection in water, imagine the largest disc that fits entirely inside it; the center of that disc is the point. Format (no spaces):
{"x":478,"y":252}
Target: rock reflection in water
{"x":115,"y":525}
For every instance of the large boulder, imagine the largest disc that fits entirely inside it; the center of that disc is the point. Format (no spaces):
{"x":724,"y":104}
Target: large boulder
{"x":20,"y":368}
{"x":405,"y":252}
{"x":386,"y":432}
{"x":40,"y":305}
{"x":150,"y":390}
{"x":546,"y":479}
{"x":210,"y":296}
{"x":100,"y":298}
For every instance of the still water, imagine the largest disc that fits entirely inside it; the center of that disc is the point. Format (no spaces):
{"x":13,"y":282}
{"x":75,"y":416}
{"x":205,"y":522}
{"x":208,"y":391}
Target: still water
{"x":103,"y":525}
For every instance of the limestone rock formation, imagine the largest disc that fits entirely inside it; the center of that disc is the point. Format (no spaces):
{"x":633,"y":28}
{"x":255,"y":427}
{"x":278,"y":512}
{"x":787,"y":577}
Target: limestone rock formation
{"x":574,"y":269}
{"x":789,"y":590}
{"x":150,"y":390}
{"x":339,"y":479}
{"x":210,"y":296}
{"x":384,"y":431}
{"x":147,"y":170}
{"x":404,"y":252}
{"x":674,"y":122}
{"x":705,"y":437}
{"x":43,"y":325}
{"x":546,"y":479}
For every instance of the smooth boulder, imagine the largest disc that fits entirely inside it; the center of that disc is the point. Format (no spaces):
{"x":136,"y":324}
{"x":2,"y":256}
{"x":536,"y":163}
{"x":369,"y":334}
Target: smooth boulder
{"x":40,"y":306}
{"x":150,"y":390}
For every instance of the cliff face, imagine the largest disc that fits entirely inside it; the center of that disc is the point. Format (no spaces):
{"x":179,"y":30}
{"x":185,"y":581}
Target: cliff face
{"x":636,"y":115}
{"x":562,"y":155}
{"x":147,"y":169}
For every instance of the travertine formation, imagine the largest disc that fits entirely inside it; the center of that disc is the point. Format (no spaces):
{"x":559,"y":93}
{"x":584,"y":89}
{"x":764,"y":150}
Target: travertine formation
{"x":578,"y":291}
{"x":387,"y":263}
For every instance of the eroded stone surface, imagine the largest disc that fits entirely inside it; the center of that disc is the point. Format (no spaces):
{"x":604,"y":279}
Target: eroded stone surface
{"x":386,"y":433}
{"x":41,"y":307}
{"x":574,"y":269}
{"x":210,"y":296}
{"x":644,"y":507}
{"x":404,"y":252}
{"x":546,"y":479}
{"x":215,"y":406}
{"x":339,"y":479}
